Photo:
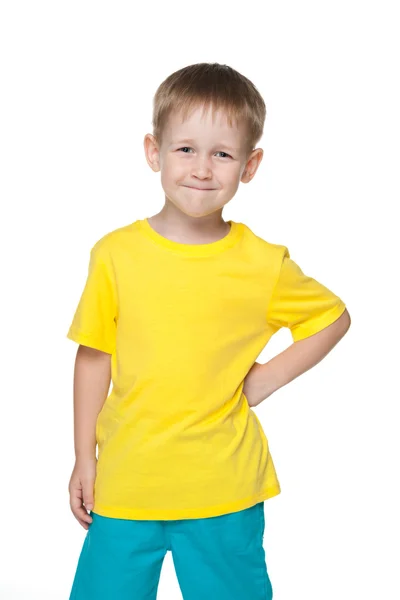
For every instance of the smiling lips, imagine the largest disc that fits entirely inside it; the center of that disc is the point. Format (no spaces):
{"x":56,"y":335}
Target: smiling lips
{"x":199,"y":189}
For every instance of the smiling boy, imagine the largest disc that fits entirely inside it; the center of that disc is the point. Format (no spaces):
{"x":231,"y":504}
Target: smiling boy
{"x":175,"y":311}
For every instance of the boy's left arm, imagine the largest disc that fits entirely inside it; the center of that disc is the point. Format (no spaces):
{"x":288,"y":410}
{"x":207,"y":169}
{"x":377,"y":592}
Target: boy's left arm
{"x":264,"y":379}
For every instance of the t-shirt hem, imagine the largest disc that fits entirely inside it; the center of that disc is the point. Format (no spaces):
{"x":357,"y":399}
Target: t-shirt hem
{"x":85,"y":339}
{"x":189,"y":513}
{"x":318,"y":324}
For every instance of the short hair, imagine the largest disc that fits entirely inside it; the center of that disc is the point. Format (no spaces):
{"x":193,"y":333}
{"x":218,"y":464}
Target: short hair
{"x":215,"y":85}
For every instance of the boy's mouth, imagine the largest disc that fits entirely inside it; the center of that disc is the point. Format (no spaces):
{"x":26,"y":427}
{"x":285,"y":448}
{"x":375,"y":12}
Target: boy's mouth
{"x":199,"y":189}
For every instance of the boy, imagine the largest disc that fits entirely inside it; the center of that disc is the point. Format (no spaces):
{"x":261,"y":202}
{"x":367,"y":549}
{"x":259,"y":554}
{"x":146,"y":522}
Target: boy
{"x":175,"y":310}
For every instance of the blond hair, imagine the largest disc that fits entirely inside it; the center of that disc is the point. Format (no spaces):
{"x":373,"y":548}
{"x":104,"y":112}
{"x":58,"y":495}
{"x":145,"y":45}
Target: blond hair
{"x":215,"y":85}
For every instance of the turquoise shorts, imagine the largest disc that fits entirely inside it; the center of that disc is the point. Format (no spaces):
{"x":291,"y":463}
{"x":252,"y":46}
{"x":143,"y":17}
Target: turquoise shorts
{"x":215,"y":558}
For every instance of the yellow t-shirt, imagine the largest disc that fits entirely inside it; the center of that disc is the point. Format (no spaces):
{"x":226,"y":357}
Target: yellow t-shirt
{"x":184,"y":324}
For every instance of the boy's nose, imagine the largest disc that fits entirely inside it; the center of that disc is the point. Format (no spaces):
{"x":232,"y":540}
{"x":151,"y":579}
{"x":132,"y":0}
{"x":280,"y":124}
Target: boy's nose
{"x":202,"y":173}
{"x":201,"y":168}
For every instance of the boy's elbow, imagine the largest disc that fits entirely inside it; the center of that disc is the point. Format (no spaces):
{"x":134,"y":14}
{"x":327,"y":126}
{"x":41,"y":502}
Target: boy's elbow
{"x":341,"y":326}
{"x":346,"y":320}
{"x":336,"y":330}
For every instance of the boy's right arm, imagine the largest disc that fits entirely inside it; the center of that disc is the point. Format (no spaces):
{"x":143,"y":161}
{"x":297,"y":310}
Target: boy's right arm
{"x":92,"y":376}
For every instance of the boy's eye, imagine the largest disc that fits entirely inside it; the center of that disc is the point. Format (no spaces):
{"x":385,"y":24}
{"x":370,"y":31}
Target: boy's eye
{"x":185,"y":148}
{"x":219,"y":151}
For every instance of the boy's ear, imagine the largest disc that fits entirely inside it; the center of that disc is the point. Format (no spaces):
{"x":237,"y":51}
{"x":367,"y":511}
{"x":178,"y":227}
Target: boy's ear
{"x":252,"y":165}
{"x":152,"y":152}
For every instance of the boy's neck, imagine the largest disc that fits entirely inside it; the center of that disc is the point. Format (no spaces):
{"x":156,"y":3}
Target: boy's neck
{"x":177,"y":226}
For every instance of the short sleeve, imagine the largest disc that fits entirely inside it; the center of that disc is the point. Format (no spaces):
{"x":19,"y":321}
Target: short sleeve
{"x":301,"y":303}
{"x":95,"y":320}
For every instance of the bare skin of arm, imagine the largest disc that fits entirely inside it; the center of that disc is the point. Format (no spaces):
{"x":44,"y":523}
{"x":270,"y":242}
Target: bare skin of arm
{"x":92,"y":377}
{"x":265,"y":379}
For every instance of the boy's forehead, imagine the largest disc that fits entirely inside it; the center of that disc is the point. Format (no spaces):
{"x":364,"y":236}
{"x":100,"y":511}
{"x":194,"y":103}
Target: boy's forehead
{"x":199,"y":124}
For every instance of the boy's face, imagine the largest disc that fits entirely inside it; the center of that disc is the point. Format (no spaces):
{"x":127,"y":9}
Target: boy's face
{"x":201,"y":162}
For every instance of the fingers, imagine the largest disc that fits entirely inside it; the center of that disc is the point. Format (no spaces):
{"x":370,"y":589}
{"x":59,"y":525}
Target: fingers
{"x":88,"y":495}
{"x":79,"y":511}
{"x":81,"y":491}
{"x":84,"y":525}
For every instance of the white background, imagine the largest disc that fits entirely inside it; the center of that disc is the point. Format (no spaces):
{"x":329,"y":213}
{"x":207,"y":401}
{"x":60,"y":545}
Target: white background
{"x":77,"y":83}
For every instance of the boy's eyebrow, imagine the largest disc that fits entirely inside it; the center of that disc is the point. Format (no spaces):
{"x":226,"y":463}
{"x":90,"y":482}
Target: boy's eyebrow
{"x":220,"y":144}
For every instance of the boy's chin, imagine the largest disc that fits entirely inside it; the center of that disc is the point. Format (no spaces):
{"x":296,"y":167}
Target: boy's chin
{"x":195,"y":210}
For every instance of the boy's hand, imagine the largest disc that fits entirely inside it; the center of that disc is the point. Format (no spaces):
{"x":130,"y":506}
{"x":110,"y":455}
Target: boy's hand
{"x":81,"y":487}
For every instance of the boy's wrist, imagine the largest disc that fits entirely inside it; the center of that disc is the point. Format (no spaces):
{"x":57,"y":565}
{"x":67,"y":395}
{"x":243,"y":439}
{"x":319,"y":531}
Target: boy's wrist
{"x":260,"y":382}
{"x":268,"y":380}
{"x":85,"y":454}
